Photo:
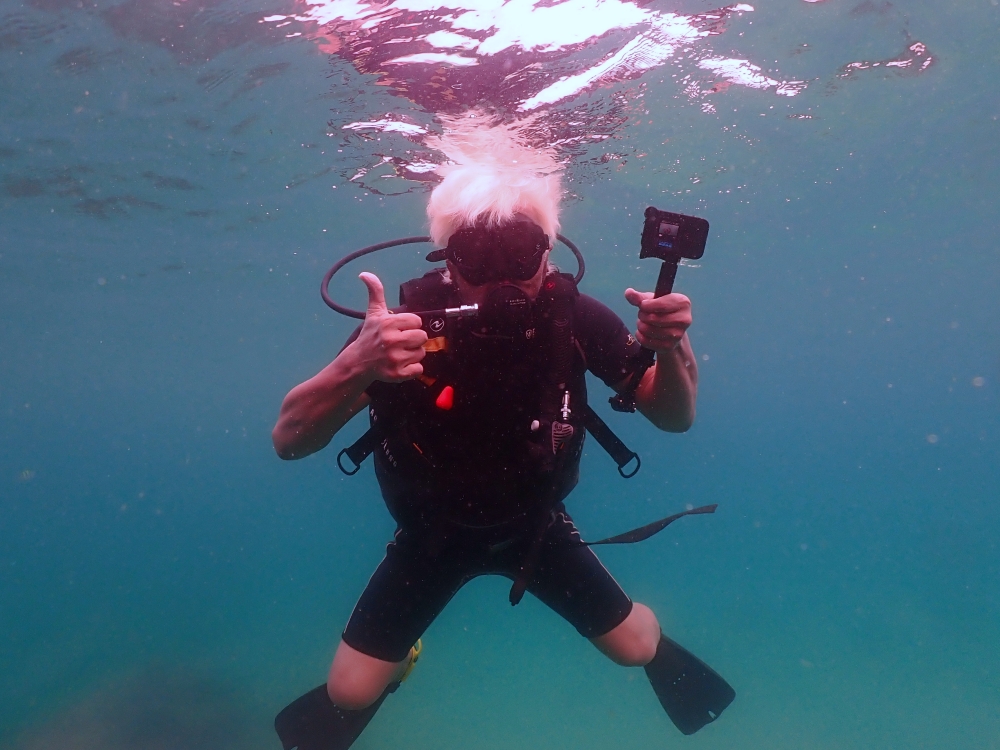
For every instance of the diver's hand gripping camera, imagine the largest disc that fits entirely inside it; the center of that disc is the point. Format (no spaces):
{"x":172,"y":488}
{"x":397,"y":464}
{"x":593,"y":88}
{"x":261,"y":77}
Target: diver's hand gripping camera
{"x":671,"y":238}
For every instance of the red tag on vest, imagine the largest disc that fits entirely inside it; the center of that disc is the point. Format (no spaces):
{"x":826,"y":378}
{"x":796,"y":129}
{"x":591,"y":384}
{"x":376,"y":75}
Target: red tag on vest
{"x":446,"y":398}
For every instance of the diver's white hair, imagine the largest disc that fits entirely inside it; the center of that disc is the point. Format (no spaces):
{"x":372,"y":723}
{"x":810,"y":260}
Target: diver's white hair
{"x":492,"y":174}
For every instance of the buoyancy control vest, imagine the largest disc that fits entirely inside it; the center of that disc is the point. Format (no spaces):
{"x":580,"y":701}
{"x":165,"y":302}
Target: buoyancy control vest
{"x":495,"y":426}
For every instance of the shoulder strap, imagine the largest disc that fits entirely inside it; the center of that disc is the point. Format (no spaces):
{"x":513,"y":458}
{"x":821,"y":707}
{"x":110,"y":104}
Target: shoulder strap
{"x":360,"y":450}
{"x":561,"y":288}
{"x":557,"y":299}
{"x":611,"y":443}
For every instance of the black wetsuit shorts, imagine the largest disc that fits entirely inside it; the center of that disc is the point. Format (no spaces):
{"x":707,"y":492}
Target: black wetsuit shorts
{"x":425,"y":567}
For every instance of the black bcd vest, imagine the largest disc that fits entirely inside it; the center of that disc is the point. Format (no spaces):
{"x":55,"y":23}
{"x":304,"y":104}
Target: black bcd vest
{"x":494,"y":429}
{"x":495,"y":424}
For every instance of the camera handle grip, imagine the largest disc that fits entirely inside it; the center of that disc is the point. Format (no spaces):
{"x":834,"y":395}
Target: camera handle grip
{"x":665,"y":281}
{"x":625,"y":401}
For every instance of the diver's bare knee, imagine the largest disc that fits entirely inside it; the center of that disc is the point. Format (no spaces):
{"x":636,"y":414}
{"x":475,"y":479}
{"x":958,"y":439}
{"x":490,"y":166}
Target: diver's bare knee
{"x":633,"y":642}
{"x":356,"y":680}
{"x":354,"y":696}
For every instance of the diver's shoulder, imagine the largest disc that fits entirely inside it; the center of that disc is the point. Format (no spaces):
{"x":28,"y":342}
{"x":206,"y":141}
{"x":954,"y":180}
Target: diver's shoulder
{"x":588,"y":306}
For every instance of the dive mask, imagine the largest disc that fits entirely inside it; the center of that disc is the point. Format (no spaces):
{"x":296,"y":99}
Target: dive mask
{"x":510,"y":252}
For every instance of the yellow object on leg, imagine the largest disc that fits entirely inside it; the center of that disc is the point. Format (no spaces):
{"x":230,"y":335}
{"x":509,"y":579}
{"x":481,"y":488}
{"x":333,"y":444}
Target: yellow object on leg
{"x":415,"y":650}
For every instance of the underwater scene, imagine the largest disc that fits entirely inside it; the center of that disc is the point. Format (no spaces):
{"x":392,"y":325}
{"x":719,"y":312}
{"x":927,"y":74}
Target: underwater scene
{"x":177,"y":176}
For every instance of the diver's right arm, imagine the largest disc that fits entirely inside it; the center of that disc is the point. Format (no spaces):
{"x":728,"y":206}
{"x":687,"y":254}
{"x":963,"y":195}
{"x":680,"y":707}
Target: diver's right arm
{"x":388,"y":348}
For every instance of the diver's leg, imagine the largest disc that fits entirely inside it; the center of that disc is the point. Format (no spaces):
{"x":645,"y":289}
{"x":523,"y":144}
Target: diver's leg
{"x":404,"y":595}
{"x":571,"y":580}
{"x":410,"y":587}
{"x":333,"y":716}
{"x":632,"y":643}
{"x":356,"y":680}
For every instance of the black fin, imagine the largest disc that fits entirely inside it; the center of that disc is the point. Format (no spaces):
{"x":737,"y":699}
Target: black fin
{"x":313,"y":722}
{"x":691,"y":692}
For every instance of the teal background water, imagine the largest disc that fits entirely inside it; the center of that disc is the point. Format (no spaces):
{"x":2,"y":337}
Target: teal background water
{"x":168,"y":582}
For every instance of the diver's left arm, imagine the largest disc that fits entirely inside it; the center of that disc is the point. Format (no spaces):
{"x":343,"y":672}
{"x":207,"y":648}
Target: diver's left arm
{"x":667,"y":393}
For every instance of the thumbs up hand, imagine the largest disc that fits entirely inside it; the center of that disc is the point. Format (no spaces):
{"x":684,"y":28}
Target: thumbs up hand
{"x":390,"y":345}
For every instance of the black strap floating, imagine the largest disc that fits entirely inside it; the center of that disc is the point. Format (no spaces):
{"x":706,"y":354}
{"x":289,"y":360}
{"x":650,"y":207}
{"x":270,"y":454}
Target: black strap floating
{"x":645,"y":532}
{"x":524,"y":575}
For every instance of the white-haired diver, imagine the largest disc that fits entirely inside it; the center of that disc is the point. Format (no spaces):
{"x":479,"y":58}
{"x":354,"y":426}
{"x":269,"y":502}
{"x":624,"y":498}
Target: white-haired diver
{"x":479,"y":438}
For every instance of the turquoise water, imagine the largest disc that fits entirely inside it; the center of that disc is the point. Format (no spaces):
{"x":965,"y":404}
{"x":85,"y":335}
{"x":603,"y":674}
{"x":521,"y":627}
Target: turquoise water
{"x":169,"y":200}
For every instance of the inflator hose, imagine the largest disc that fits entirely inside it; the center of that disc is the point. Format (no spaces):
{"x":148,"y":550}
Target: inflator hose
{"x":360,"y":315}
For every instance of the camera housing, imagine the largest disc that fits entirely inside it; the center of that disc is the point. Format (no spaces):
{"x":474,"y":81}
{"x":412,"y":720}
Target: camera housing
{"x":670,"y":237}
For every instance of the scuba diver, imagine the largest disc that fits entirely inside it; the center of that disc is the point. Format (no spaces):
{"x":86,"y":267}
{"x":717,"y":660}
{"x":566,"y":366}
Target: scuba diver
{"x":478,"y":423}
